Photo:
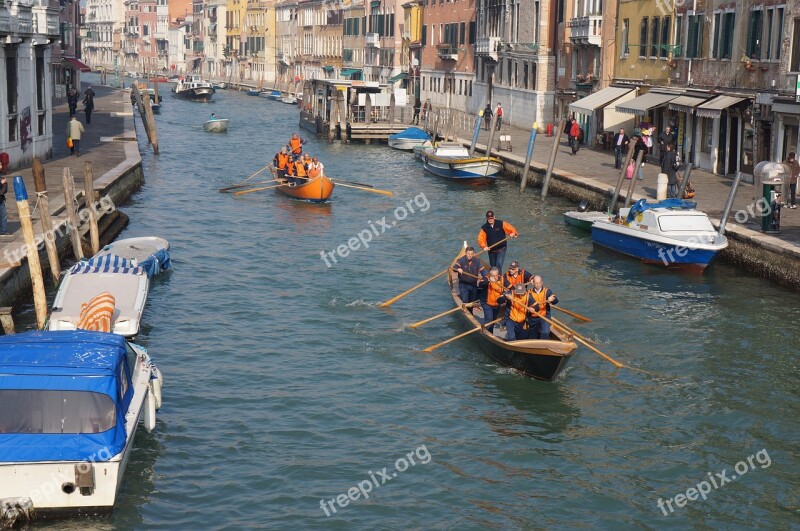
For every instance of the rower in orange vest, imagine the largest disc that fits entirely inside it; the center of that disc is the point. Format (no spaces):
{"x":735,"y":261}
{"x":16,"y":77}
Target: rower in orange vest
{"x":281,"y":162}
{"x":520,"y":305}
{"x":544,"y":297}
{"x":295,"y":145}
{"x":301,"y":176}
{"x":490,"y":289}
{"x":515,"y":275}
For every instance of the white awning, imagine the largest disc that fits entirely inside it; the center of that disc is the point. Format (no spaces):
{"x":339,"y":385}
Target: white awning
{"x":686,"y":103}
{"x":598,"y":99}
{"x":713,"y":108}
{"x":644,"y":103}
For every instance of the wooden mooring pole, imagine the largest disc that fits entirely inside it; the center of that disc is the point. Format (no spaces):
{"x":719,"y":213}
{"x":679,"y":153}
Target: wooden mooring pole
{"x":72,"y":215}
{"x":552,"y":162}
{"x":632,"y":183}
{"x":40,"y":184}
{"x":88,"y":190}
{"x":39,"y":298}
{"x":7,"y":321}
{"x":621,"y":177}
{"x":151,"y":123}
{"x":528,"y":157}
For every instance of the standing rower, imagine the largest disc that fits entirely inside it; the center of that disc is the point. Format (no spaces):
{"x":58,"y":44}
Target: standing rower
{"x":492,"y":232}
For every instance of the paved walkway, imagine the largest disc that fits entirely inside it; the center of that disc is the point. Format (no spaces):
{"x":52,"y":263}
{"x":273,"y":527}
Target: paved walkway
{"x":109,"y":121}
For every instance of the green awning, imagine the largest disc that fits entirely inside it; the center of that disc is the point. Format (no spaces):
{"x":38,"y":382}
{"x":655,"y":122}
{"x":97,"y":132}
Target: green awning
{"x":350,"y":71}
{"x":398,"y":77}
{"x":328,"y":68}
{"x":375,"y":3}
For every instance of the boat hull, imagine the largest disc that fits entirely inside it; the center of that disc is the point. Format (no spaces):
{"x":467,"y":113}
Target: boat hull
{"x":318,"y":190}
{"x":583,"y":220}
{"x":478,"y":170}
{"x":196,"y":94}
{"x":216,"y":126}
{"x":407,"y":144}
{"x":673,"y":256}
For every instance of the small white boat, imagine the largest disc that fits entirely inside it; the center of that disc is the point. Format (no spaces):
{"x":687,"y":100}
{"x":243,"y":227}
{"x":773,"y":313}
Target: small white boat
{"x":290,"y":99}
{"x":420,"y":152}
{"x":218,"y":84}
{"x":72,"y":402}
{"x":583,"y":220}
{"x":216,"y":126}
{"x":138,"y":249}
{"x":452,"y":161}
{"x":409,"y":139}
{"x":671,"y":233}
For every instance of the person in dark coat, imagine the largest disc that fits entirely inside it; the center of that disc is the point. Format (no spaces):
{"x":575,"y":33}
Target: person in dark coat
{"x":469,"y":268}
{"x":487,"y":116}
{"x":669,"y":167}
{"x":620,"y":143}
{"x":639,"y":147}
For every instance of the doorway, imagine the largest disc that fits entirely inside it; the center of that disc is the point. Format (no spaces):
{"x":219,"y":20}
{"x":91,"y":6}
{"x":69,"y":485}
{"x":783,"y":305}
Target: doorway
{"x":733,"y":146}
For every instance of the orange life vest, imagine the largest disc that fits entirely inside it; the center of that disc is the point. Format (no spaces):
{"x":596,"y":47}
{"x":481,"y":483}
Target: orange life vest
{"x":510,"y":281}
{"x":493,"y":292}
{"x":541,"y":300}
{"x":313,"y":171}
{"x":519,"y":310}
{"x":297,"y":145}
{"x":300,"y":169}
{"x":283,"y":160}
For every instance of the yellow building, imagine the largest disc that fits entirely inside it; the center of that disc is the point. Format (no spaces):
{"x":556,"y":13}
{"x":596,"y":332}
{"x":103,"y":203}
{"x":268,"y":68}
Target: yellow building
{"x":258,"y":38}
{"x":412,"y":44}
{"x":233,"y":52}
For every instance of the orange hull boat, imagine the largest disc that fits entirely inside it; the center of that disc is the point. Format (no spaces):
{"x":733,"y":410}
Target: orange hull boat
{"x":317,"y":190}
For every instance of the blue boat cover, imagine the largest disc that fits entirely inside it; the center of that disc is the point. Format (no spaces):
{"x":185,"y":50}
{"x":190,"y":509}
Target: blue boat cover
{"x":641,"y":205}
{"x":91,"y":367}
{"x":156,"y":263}
{"x":412,"y":133}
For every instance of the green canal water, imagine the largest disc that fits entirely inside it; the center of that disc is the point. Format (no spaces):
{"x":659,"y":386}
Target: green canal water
{"x":287,"y":387}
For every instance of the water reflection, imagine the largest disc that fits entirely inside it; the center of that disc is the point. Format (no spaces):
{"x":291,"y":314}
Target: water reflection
{"x":302,"y":214}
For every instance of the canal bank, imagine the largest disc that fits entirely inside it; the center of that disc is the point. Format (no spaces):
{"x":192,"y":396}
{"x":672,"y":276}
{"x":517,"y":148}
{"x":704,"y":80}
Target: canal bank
{"x":111,"y":146}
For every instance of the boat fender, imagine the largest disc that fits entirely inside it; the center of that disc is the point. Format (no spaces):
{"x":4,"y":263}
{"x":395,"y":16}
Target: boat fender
{"x":157,"y":382}
{"x":150,"y":409}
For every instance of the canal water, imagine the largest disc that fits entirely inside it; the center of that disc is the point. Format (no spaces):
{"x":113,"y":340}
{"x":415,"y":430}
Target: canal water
{"x":286,"y":387}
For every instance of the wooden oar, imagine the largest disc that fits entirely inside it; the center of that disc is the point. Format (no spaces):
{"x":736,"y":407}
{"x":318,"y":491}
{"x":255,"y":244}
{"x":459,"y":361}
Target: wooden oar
{"x":437,"y":275}
{"x":357,"y":184}
{"x":241,"y":183}
{"x":243,"y":192}
{"x":459,"y":336}
{"x":573,"y":314}
{"x":373,"y":190}
{"x":570,"y":330}
{"x":229,"y":188}
{"x":586,"y":344}
{"x":429,"y":319}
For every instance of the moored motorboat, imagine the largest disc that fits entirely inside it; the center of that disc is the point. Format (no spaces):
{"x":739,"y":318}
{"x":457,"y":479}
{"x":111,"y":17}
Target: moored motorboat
{"x":72,"y":402}
{"x":452,"y":161}
{"x":671,"y":233}
{"x":584,"y":220}
{"x":291,"y":99}
{"x":409,"y":139}
{"x":542,"y":359}
{"x":316,"y":190}
{"x":421,"y":151}
{"x":219,"y":125}
{"x":149,"y":253}
{"x":275,"y":95}
{"x":194,"y":87}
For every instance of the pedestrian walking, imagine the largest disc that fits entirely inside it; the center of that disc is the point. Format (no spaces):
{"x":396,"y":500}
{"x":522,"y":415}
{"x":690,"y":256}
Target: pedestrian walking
{"x":487,"y":116}
{"x":88,"y":105}
{"x":575,"y":136}
{"x":499,"y":112}
{"x":669,"y":166}
{"x":72,"y":100}
{"x":3,"y":214}
{"x":74,"y":131}
{"x":620,"y":143}
{"x":417,"y":107}
{"x":794,"y":171}
{"x":568,"y":128}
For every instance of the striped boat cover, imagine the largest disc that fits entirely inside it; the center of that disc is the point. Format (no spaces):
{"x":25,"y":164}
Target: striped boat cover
{"x":109,"y":263}
{"x":96,"y":314}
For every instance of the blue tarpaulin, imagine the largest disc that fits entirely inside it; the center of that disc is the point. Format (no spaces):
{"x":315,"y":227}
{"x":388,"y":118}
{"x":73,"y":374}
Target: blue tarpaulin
{"x":413,"y":133}
{"x":641,"y":205}
{"x":70,"y":390}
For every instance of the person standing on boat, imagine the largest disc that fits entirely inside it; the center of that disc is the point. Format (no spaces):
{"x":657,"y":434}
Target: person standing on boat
{"x":295,"y":145}
{"x":490,"y":289}
{"x":492,"y":232}
{"x":544,"y":297}
{"x":469,"y":269}
{"x":515,"y":275}
{"x":281,"y":162}
{"x":519,"y":305}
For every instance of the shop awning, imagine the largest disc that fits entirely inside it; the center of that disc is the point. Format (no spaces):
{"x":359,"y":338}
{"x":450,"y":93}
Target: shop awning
{"x":714,"y":108}
{"x":644,"y":103}
{"x":686,"y":103}
{"x":327,"y":68}
{"x":350,"y":71}
{"x":786,"y":108}
{"x":598,"y":99}
{"x":398,"y":77}
{"x":83,"y":67}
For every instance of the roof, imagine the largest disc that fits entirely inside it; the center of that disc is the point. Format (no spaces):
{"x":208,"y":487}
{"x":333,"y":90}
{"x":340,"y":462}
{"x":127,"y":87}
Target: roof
{"x":644,"y":103}
{"x":598,"y":99}
{"x":713,"y":108}
{"x":61,"y":353}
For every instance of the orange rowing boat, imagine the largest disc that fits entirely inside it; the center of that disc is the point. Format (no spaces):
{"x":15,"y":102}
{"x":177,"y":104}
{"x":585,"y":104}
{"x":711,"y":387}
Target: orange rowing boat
{"x":316,"y":190}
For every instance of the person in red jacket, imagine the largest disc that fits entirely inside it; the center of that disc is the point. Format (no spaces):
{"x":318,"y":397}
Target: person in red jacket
{"x":574,"y":135}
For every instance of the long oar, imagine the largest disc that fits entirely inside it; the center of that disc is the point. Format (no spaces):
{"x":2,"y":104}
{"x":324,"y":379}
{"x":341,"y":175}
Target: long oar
{"x":573,"y":314}
{"x":241,"y":183}
{"x":459,"y":336}
{"x":243,"y":192}
{"x":437,"y":275}
{"x":353,"y":182}
{"x":230,"y":188}
{"x":373,"y":190}
{"x":587,"y":345}
{"x":570,"y":330}
{"x":429,"y":319}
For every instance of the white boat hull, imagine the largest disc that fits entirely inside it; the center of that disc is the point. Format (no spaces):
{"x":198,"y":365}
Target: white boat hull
{"x":407,"y":144}
{"x":467,"y":170}
{"x":216,"y":126}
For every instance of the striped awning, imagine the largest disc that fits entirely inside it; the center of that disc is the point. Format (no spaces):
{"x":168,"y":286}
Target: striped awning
{"x":714,"y":108}
{"x":598,"y":99}
{"x":644,"y":103}
{"x":108,"y":263}
{"x":686,"y":103}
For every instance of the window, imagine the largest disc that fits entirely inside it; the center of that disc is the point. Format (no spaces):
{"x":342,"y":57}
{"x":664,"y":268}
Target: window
{"x":462,"y":33}
{"x":694,"y":38}
{"x":715,"y":41}
{"x":726,"y":39}
{"x":754,"y":30}
{"x":424,"y":34}
{"x":626,"y":26}
{"x":678,"y":50}
{"x":705,"y":134}
{"x":643,"y":38}
{"x":472,"y":32}
{"x":665,"y":40}
{"x":11,"y":92}
{"x":654,"y":41}
{"x":39,"y":411}
{"x":794,"y":65}
{"x":779,"y":27}
{"x":768,"y":34}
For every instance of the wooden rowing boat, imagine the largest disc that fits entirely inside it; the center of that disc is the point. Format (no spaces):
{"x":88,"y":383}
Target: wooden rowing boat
{"x":317,"y":190}
{"x":542,"y":359}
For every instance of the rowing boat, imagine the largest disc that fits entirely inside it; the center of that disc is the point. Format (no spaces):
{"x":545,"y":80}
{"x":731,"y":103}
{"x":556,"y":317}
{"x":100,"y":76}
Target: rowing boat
{"x":542,"y":359}
{"x":316,"y":190}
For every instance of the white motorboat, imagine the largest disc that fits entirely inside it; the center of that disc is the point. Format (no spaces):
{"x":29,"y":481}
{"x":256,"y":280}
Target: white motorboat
{"x":291,"y":99}
{"x":138,"y":249}
{"x":671,"y":233}
{"x":409,"y":139}
{"x":194,"y":87}
{"x":216,"y":126}
{"x":71,"y":404}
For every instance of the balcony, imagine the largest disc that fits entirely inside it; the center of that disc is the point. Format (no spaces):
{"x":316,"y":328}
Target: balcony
{"x":586,"y":30}
{"x":131,"y":50}
{"x":372,"y":39}
{"x":487,"y":47}
{"x":447,"y":51}
{"x":132,"y":30}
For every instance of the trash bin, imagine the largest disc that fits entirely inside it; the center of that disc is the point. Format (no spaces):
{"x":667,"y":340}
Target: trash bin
{"x":549,"y":129}
{"x":771,"y":175}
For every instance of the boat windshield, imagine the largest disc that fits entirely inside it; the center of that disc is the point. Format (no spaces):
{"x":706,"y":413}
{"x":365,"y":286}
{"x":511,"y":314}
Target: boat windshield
{"x":685,"y":223}
{"x":48,"y":411}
